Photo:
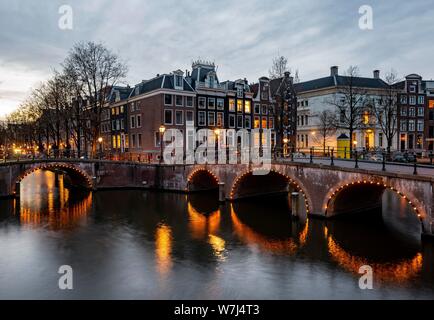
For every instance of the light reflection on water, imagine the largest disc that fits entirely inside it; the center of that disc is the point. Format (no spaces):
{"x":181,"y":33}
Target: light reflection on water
{"x":137,"y":244}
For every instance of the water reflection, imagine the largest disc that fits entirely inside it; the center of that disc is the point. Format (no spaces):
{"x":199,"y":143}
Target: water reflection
{"x":274,"y":232}
{"x":137,"y":244}
{"x":163,"y":248}
{"x":45,"y":201}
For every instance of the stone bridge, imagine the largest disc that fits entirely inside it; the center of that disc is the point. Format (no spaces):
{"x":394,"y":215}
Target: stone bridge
{"x":323,"y":190}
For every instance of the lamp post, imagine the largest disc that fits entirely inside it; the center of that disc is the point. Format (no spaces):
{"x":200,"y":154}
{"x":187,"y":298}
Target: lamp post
{"x":162,"y":129}
{"x":100,"y":146}
{"x":285,"y":146}
{"x":217,"y":135}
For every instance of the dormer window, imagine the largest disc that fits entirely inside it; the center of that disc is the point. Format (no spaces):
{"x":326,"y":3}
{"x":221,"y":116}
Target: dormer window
{"x":211,"y":81}
{"x":239,"y":92}
{"x":178,"y":81}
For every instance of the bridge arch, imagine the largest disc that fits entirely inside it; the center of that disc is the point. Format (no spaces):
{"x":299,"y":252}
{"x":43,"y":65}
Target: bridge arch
{"x":78,"y":176}
{"x":372,"y":191}
{"x":283,"y":182}
{"x":202,"y":179}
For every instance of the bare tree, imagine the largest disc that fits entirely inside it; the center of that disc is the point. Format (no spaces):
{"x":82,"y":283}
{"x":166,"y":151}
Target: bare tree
{"x":349,"y":102}
{"x":97,"y":69}
{"x":326,"y":126}
{"x":385,"y":109}
{"x":279,"y":67}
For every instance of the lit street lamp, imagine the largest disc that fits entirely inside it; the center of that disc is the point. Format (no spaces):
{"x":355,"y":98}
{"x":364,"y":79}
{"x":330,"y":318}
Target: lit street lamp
{"x":285,"y":146}
{"x":162,"y":129}
{"x":100,"y":147}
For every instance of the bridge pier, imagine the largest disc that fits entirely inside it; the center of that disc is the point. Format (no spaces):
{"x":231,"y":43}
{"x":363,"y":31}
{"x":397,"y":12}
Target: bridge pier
{"x":17,"y":189}
{"x":295,"y":208}
{"x":222,"y":195}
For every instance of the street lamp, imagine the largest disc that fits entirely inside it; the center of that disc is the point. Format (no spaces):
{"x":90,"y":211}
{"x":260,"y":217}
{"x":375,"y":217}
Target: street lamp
{"x":162,"y":129}
{"x":285,"y":146}
{"x":100,"y":147}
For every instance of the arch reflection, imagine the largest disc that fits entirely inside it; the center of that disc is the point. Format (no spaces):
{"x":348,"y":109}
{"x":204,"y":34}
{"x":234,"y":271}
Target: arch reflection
{"x":204,"y":215}
{"x":47,"y":202}
{"x":275,"y":234}
{"x":399,"y":271}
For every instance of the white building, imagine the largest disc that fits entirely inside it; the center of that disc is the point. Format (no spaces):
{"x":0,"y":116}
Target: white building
{"x":315,"y":96}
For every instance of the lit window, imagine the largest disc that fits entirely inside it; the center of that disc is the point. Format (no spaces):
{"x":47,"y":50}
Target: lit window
{"x":240,"y":105}
{"x":256,"y":122}
{"x":220,"y":119}
{"x":247,"y":106}
{"x":232,"y":105}
{"x":264,"y":123}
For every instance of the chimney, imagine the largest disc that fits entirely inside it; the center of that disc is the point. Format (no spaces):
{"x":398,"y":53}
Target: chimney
{"x":287,"y":73}
{"x":376,"y":74}
{"x":334,"y":71}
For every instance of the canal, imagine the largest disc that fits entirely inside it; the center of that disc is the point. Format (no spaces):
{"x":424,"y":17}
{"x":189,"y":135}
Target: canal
{"x":134,"y":244}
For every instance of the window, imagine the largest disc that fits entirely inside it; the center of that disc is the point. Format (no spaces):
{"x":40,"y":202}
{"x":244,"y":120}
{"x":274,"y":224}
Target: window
{"x":133,"y":141}
{"x":247,"y":106}
{"x":114,"y":142}
{"x":113,"y":125}
{"x":403,"y":125}
{"x":257,"y":108}
{"x":239,"y":105}
{"x":211,"y":81}
{"x":306,"y":119}
{"x":247,"y":122}
{"x":168,"y":117}
{"x":264,"y":109}
{"x":420,"y":111}
{"x":178,"y":81}
{"x":122,"y":124}
{"x":256,"y":122}
{"x":178,"y":101}
{"x":421,"y":100}
{"x":239,"y":121}
{"x":179,"y":117}
{"x":239,"y":92}
{"x":139,"y":120}
{"x":380,"y":139}
{"x":189,"y":101}
{"x":412,"y":112}
{"x":419,"y":139}
{"x":264,"y":123}
{"x":411,"y":125}
{"x":122,"y":109}
{"x":139,"y":140}
{"x":211,"y":119}
{"x":420,"y":125}
{"x":117,"y":111}
{"x":220,"y":104}
{"x":232,"y":105}
{"x":271,"y":123}
{"x":133,"y":122}
{"x":168,"y":99}
{"x":231,"y":121}
{"x":220,"y":119}
{"x":403,"y":99}
{"x":412,"y":88}
{"x":189,"y":116}
{"x":264,"y":95}
{"x":202,"y":102}
{"x":403,"y":111}
{"x":306,"y":103}
{"x":412,"y":100}
{"x":113,"y":111}
{"x":211,"y":103}
{"x":132,"y":105}
{"x":201,"y":120}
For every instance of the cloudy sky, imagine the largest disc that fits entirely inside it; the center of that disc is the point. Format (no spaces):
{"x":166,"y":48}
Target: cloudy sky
{"x":242,"y":37}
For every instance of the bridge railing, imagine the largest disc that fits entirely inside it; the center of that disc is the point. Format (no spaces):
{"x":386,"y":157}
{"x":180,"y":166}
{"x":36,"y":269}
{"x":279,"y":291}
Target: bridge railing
{"x":376,"y":159}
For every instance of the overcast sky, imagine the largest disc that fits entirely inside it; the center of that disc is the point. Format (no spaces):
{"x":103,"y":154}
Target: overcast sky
{"x":241,"y":37}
